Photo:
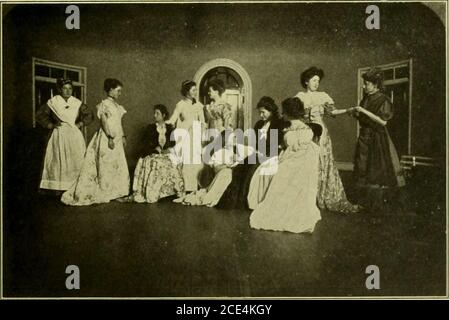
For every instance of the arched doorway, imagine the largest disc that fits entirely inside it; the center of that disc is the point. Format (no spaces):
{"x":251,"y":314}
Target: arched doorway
{"x":238,"y":87}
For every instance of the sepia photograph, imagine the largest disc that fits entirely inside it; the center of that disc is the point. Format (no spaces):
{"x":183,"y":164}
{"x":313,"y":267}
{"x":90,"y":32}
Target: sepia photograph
{"x":198,"y":150}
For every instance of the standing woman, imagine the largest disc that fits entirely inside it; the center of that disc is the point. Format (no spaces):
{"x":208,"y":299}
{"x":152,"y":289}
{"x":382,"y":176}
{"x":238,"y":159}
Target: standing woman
{"x":376,"y":166}
{"x":189,"y":116}
{"x":63,"y":115}
{"x":331,"y":194}
{"x":219,"y":112}
{"x":104,"y":174}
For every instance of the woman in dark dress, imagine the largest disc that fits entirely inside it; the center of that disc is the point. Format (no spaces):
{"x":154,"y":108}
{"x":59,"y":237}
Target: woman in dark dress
{"x":158,"y":133}
{"x":236,"y":194}
{"x":158,"y":172}
{"x":377,"y":169}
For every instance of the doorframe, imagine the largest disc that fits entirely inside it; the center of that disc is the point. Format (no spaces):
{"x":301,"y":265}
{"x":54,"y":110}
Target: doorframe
{"x":247,"y":90}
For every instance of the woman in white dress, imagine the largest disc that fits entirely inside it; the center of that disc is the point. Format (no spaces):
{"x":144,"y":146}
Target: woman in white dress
{"x":64,"y":115}
{"x":104,"y":174}
{"x":290,"y":201}
{"x":220,"y":123}
{"x":221,"y":163}
{"x":317,"y":104}
{"x":188,"y":118}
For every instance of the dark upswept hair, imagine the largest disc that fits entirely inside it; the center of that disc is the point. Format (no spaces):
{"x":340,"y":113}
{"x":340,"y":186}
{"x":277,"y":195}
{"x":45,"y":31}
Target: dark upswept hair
{"x":186,"y":86}
{"x":309,"y":73}
{"x":163,"y":109}
{"x":293,"y":108}
{"x":111,"y":83}
{"x":217,"y":85}
{"x":269,"y":104}
{"x":376,"y":76}
{"x":61,"y":82}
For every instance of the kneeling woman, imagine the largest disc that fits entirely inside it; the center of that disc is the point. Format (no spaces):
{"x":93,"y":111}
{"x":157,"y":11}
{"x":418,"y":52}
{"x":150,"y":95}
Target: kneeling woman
{"x":222,"y":162}
{"x":289,"y":203}
{"x":157,"y":173}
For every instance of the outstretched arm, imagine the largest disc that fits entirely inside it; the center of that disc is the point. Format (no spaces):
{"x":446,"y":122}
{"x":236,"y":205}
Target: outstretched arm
{"x":371,"y":115}
{"x":337,"y":112}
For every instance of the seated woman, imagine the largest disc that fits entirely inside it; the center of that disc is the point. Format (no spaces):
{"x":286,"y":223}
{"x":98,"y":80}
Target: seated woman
{"x":157,"y":174}
{"x":222,"y":163}
{"x":237,"y":192}
{"x":289,"y":203}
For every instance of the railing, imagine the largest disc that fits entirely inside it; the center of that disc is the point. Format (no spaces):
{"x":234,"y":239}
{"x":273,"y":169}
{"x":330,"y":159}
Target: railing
{"x":408,"y":162}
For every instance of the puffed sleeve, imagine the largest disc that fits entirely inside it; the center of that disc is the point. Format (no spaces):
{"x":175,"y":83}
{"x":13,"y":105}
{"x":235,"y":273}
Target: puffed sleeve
{"x":386,"y":110}
{"x":228,"y":116}
{"x":103,"y":109}
{"x":328,"y":104}
{"x":44,"y":116}
{"x":305,"y":135}
{"x":104,"y":114}
{"x":290,"y":138}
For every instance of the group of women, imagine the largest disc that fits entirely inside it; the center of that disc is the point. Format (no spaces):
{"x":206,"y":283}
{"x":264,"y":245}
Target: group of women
{"x":290,"y":179}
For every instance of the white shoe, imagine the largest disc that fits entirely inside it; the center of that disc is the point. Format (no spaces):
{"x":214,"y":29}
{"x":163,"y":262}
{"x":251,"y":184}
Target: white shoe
{"x":178,"y":200}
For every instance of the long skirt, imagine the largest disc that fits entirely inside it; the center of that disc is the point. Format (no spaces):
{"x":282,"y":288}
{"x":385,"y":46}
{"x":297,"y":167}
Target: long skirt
{"x":331,"y":193}
{"x":156,"y":176}
{"x":210,"y":195}
{"x":104,"y":174}
{"x":63,"y":158}
{"x":289,"y":204}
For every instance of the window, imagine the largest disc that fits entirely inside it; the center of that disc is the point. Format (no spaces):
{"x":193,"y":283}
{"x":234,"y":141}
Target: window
{"x":398,"y":86}
{"x":45,"y":74}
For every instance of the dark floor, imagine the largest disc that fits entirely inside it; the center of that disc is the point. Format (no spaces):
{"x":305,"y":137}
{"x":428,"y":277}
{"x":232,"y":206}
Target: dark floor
{"x":170,"y":250}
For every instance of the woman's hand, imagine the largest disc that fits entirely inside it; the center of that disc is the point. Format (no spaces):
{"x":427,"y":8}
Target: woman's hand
{"x":232,"y":165}
{"x":111,"y":143}
{"x":354,"y":111}
{"x":124,"y":141}
{"x":80,"y":124}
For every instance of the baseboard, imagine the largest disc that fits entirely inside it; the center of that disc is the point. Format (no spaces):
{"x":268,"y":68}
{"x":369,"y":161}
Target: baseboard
{"x":345,"y":165}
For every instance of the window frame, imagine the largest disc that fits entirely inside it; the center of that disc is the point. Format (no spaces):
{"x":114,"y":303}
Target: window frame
{"x":66,"y":67}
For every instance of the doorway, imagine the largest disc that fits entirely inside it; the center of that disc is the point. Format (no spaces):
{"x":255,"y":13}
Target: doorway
{"x":238,"y":91}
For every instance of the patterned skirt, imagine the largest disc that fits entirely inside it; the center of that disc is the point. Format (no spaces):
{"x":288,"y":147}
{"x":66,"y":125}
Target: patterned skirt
{"x":157,"y":176}
{"x":331,"y":194}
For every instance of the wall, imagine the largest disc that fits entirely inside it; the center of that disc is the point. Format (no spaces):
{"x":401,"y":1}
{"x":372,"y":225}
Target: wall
{"x":153,"y":48}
